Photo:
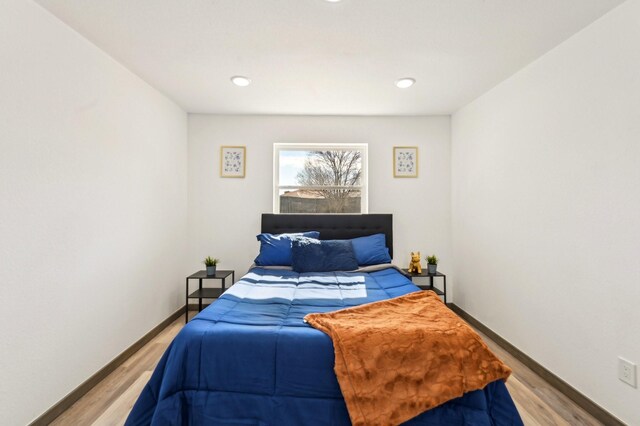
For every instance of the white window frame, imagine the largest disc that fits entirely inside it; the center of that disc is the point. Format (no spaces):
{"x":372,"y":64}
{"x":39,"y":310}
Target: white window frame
{"x":364,"y":187}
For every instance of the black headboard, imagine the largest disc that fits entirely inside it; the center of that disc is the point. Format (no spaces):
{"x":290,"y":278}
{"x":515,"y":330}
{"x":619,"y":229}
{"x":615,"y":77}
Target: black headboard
{"x":332,"y":226}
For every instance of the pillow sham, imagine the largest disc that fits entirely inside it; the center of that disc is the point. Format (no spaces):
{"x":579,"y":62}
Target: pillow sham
{"x":312,"y":255}
{"x":275,"y":249}
{"x":371,"y":250}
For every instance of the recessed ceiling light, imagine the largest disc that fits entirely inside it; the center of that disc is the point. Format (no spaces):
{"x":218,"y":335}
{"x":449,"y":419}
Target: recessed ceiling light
{"x":333,"y":1}
{"x":404,"y":83}
{"x":241,"y":81}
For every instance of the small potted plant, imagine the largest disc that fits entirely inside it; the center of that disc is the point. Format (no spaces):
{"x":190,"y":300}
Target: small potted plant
{"x":211,"y":263}
{"x":432,"y":264}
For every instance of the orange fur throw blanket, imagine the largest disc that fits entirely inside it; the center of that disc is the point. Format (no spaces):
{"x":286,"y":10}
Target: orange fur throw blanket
{"x":400,"y":357}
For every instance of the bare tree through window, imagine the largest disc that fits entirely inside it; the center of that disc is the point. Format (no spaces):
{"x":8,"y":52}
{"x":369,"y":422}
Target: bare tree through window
{"x":322,"y":180}
{"x":333,"y":168}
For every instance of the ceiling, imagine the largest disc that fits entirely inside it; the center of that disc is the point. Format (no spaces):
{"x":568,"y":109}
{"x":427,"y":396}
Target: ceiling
{"x":317,"y":57}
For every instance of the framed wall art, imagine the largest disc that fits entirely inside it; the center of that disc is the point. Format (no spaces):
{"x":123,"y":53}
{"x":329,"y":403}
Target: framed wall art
{"x":405,"y":161}
{"x":232,"y":161}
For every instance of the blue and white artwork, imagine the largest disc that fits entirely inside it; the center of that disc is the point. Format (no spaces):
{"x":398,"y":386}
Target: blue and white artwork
{"x":232,"y":161}
{"x":405,"y":161}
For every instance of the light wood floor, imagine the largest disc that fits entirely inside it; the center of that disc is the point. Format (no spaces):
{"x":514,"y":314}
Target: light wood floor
{"x":111,"y":400}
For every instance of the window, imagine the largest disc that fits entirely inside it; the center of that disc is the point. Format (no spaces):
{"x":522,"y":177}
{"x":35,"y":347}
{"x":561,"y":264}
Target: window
{"x":320,"y":178}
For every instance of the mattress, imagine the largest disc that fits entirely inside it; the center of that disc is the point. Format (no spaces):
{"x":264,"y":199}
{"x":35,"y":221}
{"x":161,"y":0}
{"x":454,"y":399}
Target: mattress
{"x":249,"y":358}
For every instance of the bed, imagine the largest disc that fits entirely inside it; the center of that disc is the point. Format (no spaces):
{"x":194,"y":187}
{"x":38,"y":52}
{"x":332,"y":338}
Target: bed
{"x":250,"y":359}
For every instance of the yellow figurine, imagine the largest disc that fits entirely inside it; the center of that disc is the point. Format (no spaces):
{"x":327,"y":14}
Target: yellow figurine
{"x":414,"y":265}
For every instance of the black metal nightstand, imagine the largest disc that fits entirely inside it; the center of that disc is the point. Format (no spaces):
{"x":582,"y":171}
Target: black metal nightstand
{"x":426,"y":274}
{"x":206,"y":293}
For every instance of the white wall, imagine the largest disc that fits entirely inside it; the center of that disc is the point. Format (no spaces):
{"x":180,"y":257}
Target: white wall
{"x":546,"y":204}
{"x":224,"y":214}
{"x":93,"y":193}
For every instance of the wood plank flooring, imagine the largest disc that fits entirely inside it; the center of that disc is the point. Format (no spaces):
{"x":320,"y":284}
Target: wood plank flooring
{"x":111,"y":400}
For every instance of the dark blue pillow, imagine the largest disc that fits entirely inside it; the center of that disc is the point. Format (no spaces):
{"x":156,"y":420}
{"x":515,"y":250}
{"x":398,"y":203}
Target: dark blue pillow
{"x":371,"y":250}
{"x":311,"y":255}
{"x":275,"y":249}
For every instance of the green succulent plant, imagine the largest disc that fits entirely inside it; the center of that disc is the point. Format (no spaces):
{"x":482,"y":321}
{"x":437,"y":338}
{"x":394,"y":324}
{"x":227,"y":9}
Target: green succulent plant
{"x":432,"y":260}
{"x":209,"y":261}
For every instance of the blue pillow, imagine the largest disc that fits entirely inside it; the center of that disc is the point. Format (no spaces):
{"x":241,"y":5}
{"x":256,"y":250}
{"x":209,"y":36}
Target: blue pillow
{"x":275,"y":249}
{"x":371,"y":250}
{"x":311,"y":255}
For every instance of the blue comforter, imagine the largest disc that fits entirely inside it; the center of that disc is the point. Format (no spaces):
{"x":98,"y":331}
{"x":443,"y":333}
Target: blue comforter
{"x":249,"y":359}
